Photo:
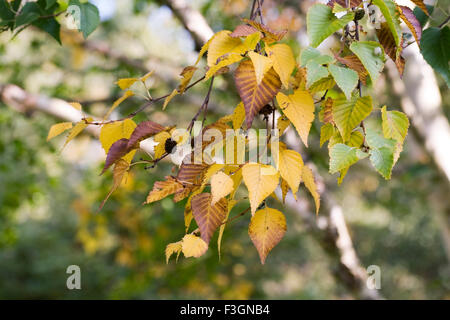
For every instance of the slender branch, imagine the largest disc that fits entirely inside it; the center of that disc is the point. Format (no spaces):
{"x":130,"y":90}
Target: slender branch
{"x":444,"y":22}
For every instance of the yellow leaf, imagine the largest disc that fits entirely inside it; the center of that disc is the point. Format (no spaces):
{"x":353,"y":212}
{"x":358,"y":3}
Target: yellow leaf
{"x":252,"y":40}
{"x":125,"y":83}
{"x":160,"y":148}
{"x":186,"y":76}
{"x":170,"y":97}
{"x":222,"y":46}
{"x":282,"y":124}
{"x":221,"y":186}
{"x":76,"y":130}
{"x":172,"y":248}
{"x":193,"y":246}
{"x":261,"y":64}
{"x":290,"y":165}
{"x":115,"y":131}
{"x":57,"y":129}
{"x":284,"y":189}
{"x":261,"y":180}
{"x":204,"y":48}
{"x":267,"y":228}
{"x":308,"y":179}
{"x":299,"y":108}
{"x":283,"y":61}
{"x":238,"y":116}
{"x":116,"y":103}
{"x":231,"y":204}
{"x":146,"y":76}
{"x":230,"y":59}
{"x":76,"y":105}
{"x":120,"y":170}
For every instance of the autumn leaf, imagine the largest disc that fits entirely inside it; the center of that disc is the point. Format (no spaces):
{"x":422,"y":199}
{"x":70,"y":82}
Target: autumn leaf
{"x":411,"y":21}
{"x":390,"y":13}
{"x":76,"y":105}
{"x":290,"y":165}
{"x":282,"y":124}
{"x":326,"y":132}
{"x":395,"y":124}
{"x":169,"y":98}
{"x":343,"y":3}
{"x":117,"y":150}
{"x":76,"y":130}
{"x":353,"y":62}
{"x":221,"y":186}
{"x":116,"y":103}
{"x":261,"y":64}
{"x":111,"y":132}
{"x":144,"y":130}
{"x":347,"y":114}
{"x":255,"y":96}
{"x":119,"y":172}
{"x":162,"y":189}
{"x":283,"y":61}
{"x":57,"y":129}
{"x":343,"y":156}
{"x":387,"y":41}
{"x":186,"y":76}
{"x":238,"y":116}
{"x":193,"y":246}
{"x":261,"y":180}
{"x":270,"y":35}
{"x":173,"y":248}
{"x":243,"y":30}
{"x":208,"y":217}
{"x":267,"y":228}
{"x":299,"y":109}
{"x":125,"y":83}
{"x":160,"y":148}
{"x":310,"y":184}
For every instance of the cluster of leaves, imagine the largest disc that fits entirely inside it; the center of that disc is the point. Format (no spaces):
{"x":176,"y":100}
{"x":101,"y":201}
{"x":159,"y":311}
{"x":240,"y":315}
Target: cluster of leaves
{"x":16,"y":15}
{"x":269,"y":80}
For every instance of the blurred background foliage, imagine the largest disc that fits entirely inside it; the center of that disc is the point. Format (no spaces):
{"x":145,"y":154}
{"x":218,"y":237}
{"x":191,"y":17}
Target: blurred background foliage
{"x":48,"y":199}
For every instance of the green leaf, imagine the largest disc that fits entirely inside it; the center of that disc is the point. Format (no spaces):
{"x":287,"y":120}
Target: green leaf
{"x":89,"y":17}
{"x":51,"y":26}
{"x":29,"y":13}
{"x":381,"y":152}
{"x":5,"y":11}
{"x":315,"y":72}
{"x":347,"y":114}
{"x":321,"y":23}
{"x":435,"y":47}
{"x":421,"y":16}
{"x":345,"y":78}
{"x":322,"y":85}
{"x":312,"y":54}
{"x":49,"y":3}
{"x":371,"y":55}
{"x":395,"y":124}
{"x":389,"y":10}
{"x":326,"y":132}
{"x":342,"y":157}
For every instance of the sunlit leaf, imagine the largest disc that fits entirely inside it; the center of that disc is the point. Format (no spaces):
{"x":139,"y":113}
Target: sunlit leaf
{"x":261,"y":64}
{"x":283,"y":61}
{"x":57,"y":129}
{"x":267,"y":228}
{"x":395,"y":124}
{"x":261,"y":180}
{"x":310,"y":184}
{"x":299,"y":109}
{"x":290,"y":165}
{"x":345,"y":78}
{"x":347,"y":114}
{"x":371,"y":55}
{"x":193,"y":246}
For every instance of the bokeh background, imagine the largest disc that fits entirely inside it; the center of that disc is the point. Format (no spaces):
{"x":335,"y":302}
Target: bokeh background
{"x":49,"y":199}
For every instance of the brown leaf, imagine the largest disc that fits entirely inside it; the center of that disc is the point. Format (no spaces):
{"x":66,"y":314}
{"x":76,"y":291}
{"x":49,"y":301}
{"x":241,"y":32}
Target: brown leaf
{"x":328,"y":111}
{"x":269,"y":34}
{"x":387,"y":41}
{"x":143,"y":131}
{"x":255,"y":96}
{"x":342,"y":3}
{"x":120,"y":169}
{"x":208,"y":217}
{"x":162,"y":189}
{"x":191,"y":173}
{"x":421,"y":5}
{"x":353,"y":62}
{"x":411,"y":21}
{"x":243,"y":30}
{"x":117,"y":151}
